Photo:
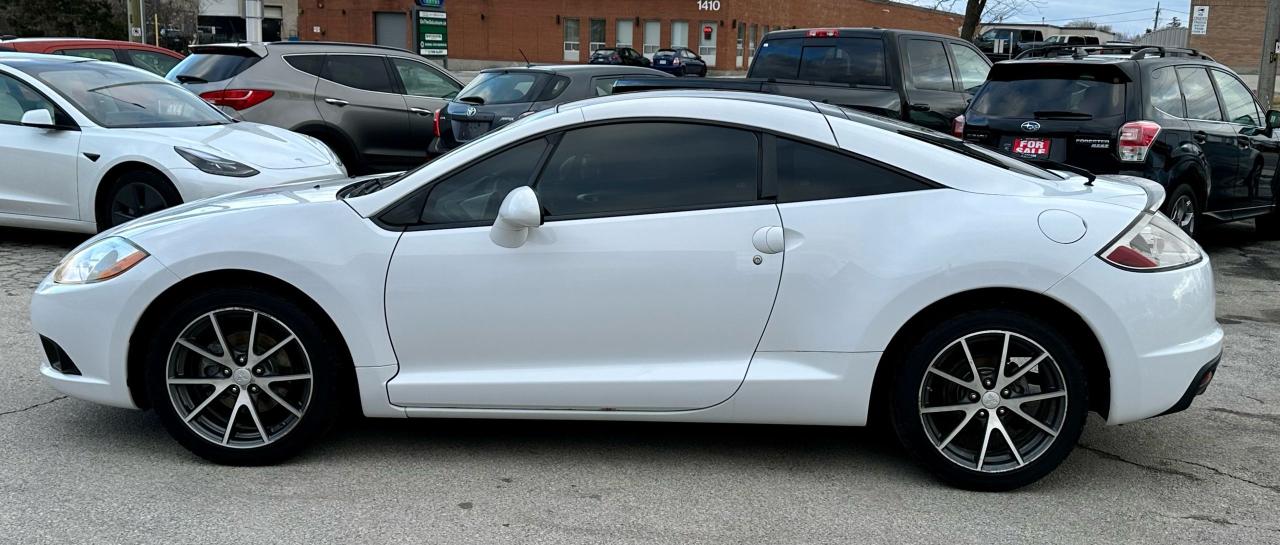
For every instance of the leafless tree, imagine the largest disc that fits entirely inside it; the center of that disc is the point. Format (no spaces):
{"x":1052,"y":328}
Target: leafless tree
{"x":977,"y":11}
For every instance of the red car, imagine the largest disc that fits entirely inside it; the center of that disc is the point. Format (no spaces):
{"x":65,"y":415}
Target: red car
{"x":147,"y":57}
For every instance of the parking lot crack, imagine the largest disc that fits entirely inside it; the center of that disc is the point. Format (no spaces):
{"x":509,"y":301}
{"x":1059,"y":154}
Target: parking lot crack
{"x":1264,"y":486}
{"x":29,"y":407}
{"x":1121,"y":459}
{"x":1221,"y":522}
{"x":1268,"y":418}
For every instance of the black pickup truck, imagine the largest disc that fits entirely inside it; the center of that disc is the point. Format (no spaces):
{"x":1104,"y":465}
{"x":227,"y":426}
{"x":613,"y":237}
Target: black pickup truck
{"x":926,"y":79}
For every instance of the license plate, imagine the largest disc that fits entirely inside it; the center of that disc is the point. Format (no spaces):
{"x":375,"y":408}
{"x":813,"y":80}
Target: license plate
{"x":1031,"y":147}
{"x":467,"y":131}
{"x":662,"y":62}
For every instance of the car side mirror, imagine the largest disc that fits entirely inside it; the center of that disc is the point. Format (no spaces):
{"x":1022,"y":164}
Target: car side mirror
{"x":519,"y":212}
{"x":1273,"y":119}
{"x":39,"y":118}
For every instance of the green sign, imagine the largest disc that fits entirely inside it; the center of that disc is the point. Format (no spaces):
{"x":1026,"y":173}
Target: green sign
{"x":433,"y":34}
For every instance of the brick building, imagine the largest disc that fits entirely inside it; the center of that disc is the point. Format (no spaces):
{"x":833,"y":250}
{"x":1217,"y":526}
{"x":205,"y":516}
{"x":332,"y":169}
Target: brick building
{"x":491,"y":32}
{"x":1233,"y":35}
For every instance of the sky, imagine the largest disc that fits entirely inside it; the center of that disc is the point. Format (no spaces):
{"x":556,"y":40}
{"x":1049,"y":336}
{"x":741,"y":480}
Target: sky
{"x":1127,"y":16}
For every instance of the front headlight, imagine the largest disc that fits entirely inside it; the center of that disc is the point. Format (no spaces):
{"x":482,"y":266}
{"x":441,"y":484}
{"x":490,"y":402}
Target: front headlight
{"x":213,"y":164}
{"x":1153,"y":243}
{"x":104,"y":259}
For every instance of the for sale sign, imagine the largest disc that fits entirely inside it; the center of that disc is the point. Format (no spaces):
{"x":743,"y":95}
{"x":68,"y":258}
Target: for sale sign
{"x":433,"y":34}
{"x":1200,"y":20}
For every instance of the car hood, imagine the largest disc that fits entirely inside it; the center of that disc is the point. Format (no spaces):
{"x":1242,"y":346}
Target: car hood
{"x":310,"y":193}
{"x":257,"y":145}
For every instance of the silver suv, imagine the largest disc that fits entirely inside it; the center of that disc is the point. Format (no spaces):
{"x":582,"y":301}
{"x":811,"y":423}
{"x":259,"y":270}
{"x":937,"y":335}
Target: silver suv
{"x":372,"y":105}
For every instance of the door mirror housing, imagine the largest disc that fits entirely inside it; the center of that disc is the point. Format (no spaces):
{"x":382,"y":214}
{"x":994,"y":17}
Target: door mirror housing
{"x":519,"y":212}
{"x":1273,"y":119}
{"x":39,"y":118}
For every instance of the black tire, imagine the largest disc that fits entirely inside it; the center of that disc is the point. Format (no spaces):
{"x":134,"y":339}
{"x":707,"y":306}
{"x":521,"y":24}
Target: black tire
{"x":134,"y":194}
{"x":1175,"y":205}
{"x":320,"y":354}
{"x":1268,"y":226}
{"x":913,"y":383}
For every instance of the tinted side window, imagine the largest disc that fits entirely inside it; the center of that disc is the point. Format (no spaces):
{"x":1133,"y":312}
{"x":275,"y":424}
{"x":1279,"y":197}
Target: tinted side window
{"x":972,"y":65}
{"x":1237,"y":99}
{"x":553,"y":88}
{"x":778,"y":58}
{"x":930,"y":68}
{"x":475,"y":194}
{"x":156,"y":63}
{"x":368,"y":72}
{"x":810,"y":173}
{"x":95,"y":54}
{"x":1165,"y":93}
{"x":858,"y":61}
{"x":422,"y":80}
{"x":310,"y":64}
{"x":1202,"y":103}
{"x":597,"y":170}
{"x":16,"y":99}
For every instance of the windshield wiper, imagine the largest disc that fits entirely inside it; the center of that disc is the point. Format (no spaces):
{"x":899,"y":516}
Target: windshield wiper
{"x":183,"y":78}
{"x":1057,"y":114}
{"x":472,"y":100}
{"x":1089,"y":176}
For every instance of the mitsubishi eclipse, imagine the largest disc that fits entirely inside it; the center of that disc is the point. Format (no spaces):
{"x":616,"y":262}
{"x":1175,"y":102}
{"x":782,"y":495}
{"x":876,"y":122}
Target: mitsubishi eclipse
{"x":785,"y":263}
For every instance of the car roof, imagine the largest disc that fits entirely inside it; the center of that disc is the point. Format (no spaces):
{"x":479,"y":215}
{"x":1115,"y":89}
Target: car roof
{"x":720,"y":94}
{"x":261,"y":48}
{"x":579,"y":69}
{"x":16,"y":43}
{"x":12,"y":57}
{"x":854,"y":32}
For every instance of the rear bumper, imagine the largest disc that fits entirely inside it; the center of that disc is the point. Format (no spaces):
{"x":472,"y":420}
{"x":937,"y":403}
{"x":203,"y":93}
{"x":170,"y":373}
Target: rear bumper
{"x":1198,"y":386}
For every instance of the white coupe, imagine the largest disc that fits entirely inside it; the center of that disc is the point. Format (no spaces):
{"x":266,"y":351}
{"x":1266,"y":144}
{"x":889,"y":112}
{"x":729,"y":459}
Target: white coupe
{"x":674,"y":256}
{"x":87,"y":145}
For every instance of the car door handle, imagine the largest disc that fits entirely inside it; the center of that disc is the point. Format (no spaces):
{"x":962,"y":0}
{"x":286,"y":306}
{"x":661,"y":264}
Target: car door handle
{"x":769,"y":240}
{"x":1200,"y":137}
{"x":421,"y":111}
{"x":337,"y":102}
{"x":919,"y":107}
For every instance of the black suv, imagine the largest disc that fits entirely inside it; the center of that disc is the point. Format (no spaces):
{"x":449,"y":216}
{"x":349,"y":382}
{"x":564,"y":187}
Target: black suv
{"x":1170,"y":115}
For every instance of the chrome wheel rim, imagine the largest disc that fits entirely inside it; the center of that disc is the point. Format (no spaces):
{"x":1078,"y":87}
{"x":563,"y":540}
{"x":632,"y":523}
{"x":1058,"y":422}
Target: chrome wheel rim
{"x":1184,"y":213}
{"x":239,"y":378}
{"x":993,"y":401}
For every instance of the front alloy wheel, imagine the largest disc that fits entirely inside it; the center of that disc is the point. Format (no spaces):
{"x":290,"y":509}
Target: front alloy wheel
{"x":990,"y":400}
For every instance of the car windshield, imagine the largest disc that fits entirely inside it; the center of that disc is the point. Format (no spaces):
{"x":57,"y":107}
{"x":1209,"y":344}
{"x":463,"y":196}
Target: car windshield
{"x":499,"y":88}
{"x":117,"y":96}
{"x":844,"y":61}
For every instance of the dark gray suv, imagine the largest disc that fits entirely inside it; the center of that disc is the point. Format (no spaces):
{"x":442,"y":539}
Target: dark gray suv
{"x":372,"y":105}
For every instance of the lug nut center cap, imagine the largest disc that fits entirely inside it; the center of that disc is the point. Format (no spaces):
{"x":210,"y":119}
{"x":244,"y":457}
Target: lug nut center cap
{"x":991,"y":400}
{"x":242,"y":377}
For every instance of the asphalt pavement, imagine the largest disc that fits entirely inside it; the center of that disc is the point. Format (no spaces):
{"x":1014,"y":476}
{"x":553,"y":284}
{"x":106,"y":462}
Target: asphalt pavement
{"x":75,"y":472}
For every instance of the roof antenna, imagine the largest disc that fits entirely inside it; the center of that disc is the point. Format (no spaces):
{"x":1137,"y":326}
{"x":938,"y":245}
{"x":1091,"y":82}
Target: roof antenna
{"x":527,"y":64}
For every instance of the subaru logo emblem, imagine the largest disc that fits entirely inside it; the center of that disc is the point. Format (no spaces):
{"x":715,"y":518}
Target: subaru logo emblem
{"x":1029,"y":126}
{"x":471,"y":110}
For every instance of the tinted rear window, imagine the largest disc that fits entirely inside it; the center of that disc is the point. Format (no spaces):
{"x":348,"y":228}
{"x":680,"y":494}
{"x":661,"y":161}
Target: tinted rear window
{"x":1093,"y":90}
{"x":602,"y":53}
{"x":214,"y":66}
{"x":501,"y":87}
{"x":853,"y":61}
{"x":310,"y":64}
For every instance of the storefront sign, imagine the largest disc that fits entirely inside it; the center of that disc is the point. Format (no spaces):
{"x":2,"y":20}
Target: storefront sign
{"x":433,"y":34}
{"x":1200,"y":20}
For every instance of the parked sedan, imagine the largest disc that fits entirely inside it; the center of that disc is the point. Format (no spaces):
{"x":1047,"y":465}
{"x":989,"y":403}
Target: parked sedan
{"x":680,"y":61}
{"x":499,"y":96}
{"x":621,"y":55}
{"x":86,"y":145}
{"x":551,"y":270}
{"x":156,"y":60}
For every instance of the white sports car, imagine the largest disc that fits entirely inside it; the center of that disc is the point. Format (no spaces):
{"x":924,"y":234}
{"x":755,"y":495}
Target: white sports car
{"x":86,"y":145}
{"x":674,"y":256}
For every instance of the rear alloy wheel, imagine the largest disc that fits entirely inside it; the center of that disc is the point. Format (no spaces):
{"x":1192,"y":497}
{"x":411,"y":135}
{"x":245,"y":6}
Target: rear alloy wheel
{"x":244,"y":380}
{"x":1181,"y":208}
{"x":997,"y":403}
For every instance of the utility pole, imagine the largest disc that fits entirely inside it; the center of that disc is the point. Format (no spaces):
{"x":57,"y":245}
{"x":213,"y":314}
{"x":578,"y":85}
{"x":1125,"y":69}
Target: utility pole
{"x":253,"y":21}
{"x":1155,"y":25}
{"x":1267,"y":68}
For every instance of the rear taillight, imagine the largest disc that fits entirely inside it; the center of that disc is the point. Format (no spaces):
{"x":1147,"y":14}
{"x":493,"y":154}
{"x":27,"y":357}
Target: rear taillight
{"x":1152,"y":243}
{"x":957,"y":126}
{"x":237,"y":99}
{"x":823,"y":33}
{"x":435,"y":122}
{"x":1136,"y":138}
{"x":675,"y":61}
{"x":615,"y":58}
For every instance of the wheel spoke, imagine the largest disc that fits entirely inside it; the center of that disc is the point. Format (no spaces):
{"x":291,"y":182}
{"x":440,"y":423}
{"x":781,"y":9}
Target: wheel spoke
{"x":967,"y":417}
{"x":1003,"y":381}
{"x":284,"y":378}
{"x":281,"y":402}
{"x":217,"y":391}
{"x":995,"y":422}
{"x":1039,"y":397}
{"x":202,"y":352}
{"x":986,"y":441}
{"x":953,"y":378}
{"x":948,"y":408}
{"x":231,"y":421}
{"x":222,"y":341}
{"x":1018,"y":411}
{"x":253,"y":413}
{"x":973,"y":367}
{"x":271,"y":351}
{"x":253,"y":334}
{"x":1004,"y":353}
{"x":188,"y":381}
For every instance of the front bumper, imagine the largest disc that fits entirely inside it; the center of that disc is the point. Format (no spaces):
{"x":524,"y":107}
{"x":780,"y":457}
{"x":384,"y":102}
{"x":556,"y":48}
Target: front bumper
{"x":1158,"y":331}
{"x":92,"y":324}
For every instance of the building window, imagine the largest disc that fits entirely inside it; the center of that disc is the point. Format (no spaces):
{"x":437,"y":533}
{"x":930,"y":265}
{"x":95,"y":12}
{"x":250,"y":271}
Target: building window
{"x":624,"y":33}
{"x":679,"y":33}
{"x":741,"y":30}
{"x":572,"y":46}
{"x":595,"y":40}
{"x":652,"y":35}
{"x":707,"y":43}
